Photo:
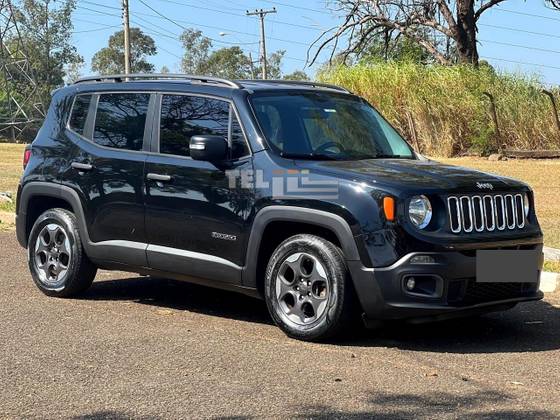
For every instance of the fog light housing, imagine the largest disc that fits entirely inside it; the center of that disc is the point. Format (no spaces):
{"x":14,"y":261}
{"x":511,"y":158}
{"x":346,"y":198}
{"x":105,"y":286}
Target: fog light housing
{"x":422,"y":259}
{"x":423,"y":285}
{"x":410,"y":283}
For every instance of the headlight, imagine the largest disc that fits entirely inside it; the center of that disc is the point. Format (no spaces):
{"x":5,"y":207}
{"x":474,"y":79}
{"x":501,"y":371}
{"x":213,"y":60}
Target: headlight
{"x":526,"y":204}
{"x":420,"y":211}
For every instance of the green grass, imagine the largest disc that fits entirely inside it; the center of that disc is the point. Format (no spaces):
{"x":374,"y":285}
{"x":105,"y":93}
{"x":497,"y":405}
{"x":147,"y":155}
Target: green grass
{"x":448,"y":107}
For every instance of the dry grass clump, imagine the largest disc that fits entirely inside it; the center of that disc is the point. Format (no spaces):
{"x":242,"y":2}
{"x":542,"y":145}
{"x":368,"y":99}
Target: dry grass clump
{"x":448,"y":106}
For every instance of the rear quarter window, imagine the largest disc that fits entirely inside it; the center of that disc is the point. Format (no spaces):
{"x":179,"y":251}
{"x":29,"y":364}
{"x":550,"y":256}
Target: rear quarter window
{"x":79,"y":113}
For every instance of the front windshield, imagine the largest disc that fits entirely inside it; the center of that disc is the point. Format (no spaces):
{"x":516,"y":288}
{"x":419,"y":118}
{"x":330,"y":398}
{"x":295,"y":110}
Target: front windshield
{"x":326,"y":126}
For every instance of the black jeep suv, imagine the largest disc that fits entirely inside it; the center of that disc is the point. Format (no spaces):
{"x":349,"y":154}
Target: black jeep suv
{"x":300,"y":193}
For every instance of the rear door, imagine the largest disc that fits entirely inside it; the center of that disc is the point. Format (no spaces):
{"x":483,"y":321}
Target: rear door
{"x":108,"y":171}
{"x":196,"y":220}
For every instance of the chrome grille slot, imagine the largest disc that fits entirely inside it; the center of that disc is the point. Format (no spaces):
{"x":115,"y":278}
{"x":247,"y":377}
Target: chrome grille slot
{"x":489,"y":213}
{"x":465,"y":204}
{"x":510,"y":211}
{"x":478,"y":213}
{"x":454,"y":214}
{"x":520,"y":211}
{"x":500,"y":212}
{"x":485,"y":213}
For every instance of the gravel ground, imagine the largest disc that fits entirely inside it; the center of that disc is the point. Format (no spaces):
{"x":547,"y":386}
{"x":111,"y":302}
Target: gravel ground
{"x":149,"y":348}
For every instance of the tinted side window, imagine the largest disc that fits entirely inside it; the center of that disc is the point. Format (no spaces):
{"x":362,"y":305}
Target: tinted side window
{"x":120,"y":120}
{"x":185,"y":116}
{"x":79,"y":113}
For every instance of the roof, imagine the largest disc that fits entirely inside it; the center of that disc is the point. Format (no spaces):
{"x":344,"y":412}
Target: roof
{"x":211,"y":81}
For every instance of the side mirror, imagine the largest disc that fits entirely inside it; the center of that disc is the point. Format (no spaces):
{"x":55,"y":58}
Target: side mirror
{"x":208,"y":148}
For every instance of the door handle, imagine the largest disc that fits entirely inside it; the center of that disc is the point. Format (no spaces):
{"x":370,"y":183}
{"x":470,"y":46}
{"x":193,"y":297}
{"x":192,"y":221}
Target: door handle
{"x":81,"y":166}
{"x":158,"y":177}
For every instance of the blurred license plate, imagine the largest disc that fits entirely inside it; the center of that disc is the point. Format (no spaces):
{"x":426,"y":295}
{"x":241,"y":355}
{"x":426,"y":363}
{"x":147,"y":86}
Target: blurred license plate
{"x":507,"y":266}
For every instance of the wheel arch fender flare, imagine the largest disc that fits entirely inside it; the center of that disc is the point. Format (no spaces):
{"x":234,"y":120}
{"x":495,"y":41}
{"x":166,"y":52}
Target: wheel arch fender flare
{"x":34,"y":189}
{"x":333,"y":222}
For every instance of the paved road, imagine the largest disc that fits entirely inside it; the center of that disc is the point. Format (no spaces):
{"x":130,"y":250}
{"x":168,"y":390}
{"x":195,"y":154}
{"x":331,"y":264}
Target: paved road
{"x":146,"y":348}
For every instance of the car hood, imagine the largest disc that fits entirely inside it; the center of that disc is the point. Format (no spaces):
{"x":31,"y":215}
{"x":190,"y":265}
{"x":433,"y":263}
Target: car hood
{"x":414,"y":174}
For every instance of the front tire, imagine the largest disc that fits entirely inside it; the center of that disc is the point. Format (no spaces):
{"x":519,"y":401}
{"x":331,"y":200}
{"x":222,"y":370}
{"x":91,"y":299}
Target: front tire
{"x":307,"y":288}
{"x":57,"y":261}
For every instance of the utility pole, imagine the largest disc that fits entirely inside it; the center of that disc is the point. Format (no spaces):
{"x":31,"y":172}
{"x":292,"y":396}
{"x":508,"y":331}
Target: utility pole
{"x":261,"y":13}
{"x":126,"y":37}
{"x":252,"y":66}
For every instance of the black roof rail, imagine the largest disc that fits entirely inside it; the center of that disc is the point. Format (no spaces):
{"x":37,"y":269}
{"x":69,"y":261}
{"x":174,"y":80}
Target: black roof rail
{"x":118,"y":78}
{"x":300,"y":82}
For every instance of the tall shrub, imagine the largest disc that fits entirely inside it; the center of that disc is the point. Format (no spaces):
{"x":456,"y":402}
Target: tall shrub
{"x":448,"y":107}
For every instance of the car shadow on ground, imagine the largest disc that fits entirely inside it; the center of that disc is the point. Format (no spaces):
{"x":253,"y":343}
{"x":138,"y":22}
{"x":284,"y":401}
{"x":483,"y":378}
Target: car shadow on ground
{"x":529,"y":327}
{"x":487,"y":404}
{"x":181,"y":296}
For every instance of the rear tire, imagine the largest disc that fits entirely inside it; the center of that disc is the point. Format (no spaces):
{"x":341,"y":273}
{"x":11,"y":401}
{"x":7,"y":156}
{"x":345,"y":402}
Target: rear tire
{"x":57,"y":261}
{"x":308,"y":289}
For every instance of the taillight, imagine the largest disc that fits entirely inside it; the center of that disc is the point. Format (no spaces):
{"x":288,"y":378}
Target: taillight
{"x":26,"y":157}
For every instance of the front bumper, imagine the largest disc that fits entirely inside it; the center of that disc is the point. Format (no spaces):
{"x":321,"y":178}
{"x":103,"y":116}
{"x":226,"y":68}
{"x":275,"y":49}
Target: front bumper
{"x":451,"y":291}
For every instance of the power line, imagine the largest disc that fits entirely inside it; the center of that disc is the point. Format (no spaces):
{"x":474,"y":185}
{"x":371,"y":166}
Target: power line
{"x":507,"y":28}
{"x":288,"y":41}
{"x":309,"y":9}
{"x":500,"y":9}
{"x":520,"y":46}
{"x":521,"y":62}
{"x":104,"y":28}
{"x":100,"y":5}
{"x":176,"y":36}
{"x":295,"y":25}
{"x":221,"y":28}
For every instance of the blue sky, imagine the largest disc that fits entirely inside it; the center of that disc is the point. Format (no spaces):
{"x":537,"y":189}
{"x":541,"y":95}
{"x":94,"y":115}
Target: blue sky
{"x":516,"y":32}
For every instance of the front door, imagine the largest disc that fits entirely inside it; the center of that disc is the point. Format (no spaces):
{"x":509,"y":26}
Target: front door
{"x":195,"y":220}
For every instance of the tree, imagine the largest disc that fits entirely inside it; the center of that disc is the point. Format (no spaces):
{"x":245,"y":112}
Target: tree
{"x":296,"y":75}
{"x":413,"y":19}
{"x":110,"y":60}
{"x":73,"y":71}
{"x":46,"y":34}
{"x":231,"y":62}
{"x":197,"y":50}
{"x":274,"y":65}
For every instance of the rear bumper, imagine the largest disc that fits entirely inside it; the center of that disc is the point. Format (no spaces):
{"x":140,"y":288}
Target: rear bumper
{"x":451,"y":291}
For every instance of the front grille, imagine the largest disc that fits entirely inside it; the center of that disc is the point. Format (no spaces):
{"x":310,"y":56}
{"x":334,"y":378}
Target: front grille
{"x":485,"y":213}
{"x":463,"y":293}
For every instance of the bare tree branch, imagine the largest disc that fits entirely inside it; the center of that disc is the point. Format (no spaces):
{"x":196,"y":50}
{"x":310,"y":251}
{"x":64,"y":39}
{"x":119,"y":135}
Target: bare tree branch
{"x":485,"y":7}
{"x":418,"y":20}
{"x":446,"y":12}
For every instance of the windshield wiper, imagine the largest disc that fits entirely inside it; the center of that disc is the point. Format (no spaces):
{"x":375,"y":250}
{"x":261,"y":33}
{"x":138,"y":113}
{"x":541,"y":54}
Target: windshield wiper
{"x":387,"y":156}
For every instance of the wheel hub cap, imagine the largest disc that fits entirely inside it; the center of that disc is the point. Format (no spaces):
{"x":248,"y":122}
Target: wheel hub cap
{"x":302,"y":288}
{"x":52,"y":255}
